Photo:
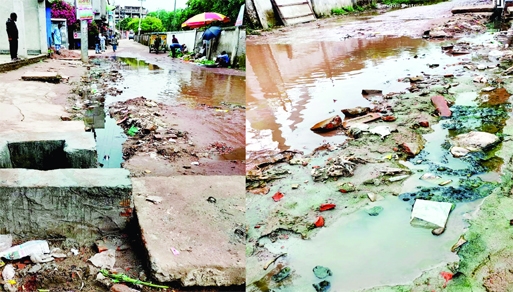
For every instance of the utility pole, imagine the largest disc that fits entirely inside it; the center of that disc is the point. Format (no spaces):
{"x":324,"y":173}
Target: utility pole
{"x":140,"y":19}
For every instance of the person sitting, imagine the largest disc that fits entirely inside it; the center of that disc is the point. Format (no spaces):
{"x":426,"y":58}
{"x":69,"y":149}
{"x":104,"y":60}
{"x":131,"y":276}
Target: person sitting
{"x":223,"y":60}
{"x":184,"y":49}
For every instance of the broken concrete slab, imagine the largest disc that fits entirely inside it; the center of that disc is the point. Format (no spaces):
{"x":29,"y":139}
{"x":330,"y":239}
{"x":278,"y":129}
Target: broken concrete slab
{"x":52,"y":77}
{"x":188,"y":238}
{"x":77,"y":203}
{"x":41,"y":127}
{"x":46,"y":151}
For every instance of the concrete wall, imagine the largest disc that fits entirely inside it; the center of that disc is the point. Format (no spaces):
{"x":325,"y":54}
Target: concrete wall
{"x":184,"y":37}
{"x":79,"y":203}
{"x":323,"y":7}
{"x":264,"y":10}
{"x":31,"y":26}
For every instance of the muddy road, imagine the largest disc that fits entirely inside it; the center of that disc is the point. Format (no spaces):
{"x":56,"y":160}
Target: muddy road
{"x":411,"y":22}
{"x":343,"y":199}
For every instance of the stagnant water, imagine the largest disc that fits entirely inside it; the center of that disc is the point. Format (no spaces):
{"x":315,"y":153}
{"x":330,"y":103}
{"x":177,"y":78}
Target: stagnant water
{"x":292,"y":87}
{"x":169,"y":86}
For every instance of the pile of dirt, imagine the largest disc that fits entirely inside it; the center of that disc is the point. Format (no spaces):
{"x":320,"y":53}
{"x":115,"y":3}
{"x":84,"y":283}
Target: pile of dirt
{"x":140,"y":118}
{"x":459,"y":25}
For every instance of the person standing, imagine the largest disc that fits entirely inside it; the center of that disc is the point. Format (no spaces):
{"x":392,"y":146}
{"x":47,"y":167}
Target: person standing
{"x":12,"y":34}
{"x":57,"y":38}
{"x":102,"y":42}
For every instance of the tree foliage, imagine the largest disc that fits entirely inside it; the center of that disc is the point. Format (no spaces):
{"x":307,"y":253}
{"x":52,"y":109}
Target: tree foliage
{"x":172,"y":20}
{"x":148,"y":24}
{"x":123,"y":24}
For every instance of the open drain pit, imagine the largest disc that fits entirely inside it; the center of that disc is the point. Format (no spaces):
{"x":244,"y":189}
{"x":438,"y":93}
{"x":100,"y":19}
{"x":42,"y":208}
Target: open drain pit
{"x":46,"y":151}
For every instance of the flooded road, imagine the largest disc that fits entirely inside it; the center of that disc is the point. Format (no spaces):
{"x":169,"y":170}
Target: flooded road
{"x":291,"y":87}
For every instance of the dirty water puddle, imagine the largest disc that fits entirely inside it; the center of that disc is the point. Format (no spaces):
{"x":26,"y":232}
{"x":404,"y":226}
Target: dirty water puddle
{"x":366,"y":251}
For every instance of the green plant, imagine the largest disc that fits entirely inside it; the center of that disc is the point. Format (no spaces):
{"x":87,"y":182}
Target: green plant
{"x":349,"y":8}
{"x":338,"y":11}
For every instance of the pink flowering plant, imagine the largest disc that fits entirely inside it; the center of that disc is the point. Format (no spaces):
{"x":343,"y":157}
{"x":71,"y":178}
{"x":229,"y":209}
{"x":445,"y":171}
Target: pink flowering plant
{"x":62,"y":9}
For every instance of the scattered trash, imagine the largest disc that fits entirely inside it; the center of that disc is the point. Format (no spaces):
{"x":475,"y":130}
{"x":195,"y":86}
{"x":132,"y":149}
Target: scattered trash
{"x":322,"y":272}
{"x":281,"y":275}
{"x":74,"y":251}
{"x":277,"y":196}
{"x":323,"y":286}
{"x":195,"y":163}
{"x":383,"y":131}
{"x":35,"y":268}
{"x":461,"y":241}
{"x":398,"y":178}
{"x":445,"y":182}
{"x":356,"y":111}
{"x":211,"y":200}
{"x":40,"y":258}
{"x":33,"y":247}
{"x":274,"y":260}
{"x":371,"y":91}
{"x":105,"y":259}
{"x":372,"y":197}
{"x":319,"y":222}
{"x":154,"y":199}
{"x":328,"y":124}
{"x":361,"y":119}
{"x":375,"y":211}
{"x":430,"y":214}
{"x":325,"y":207}
{"x":132,"y":131}
{"x":124,"y":278}
{"x":294,"y":186}
{"x":175,"y":252}
{"x":8,"y":272}
{"x":346,"y":187}
{"x":447,"y":277}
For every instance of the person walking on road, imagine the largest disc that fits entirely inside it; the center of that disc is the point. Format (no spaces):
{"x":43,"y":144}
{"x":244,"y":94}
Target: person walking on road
{"x":57,"y":38}
{"x":97,"y":44}
{"x":12,"y":35}
{"x":114,"y":41}
{"x":102,"y":42}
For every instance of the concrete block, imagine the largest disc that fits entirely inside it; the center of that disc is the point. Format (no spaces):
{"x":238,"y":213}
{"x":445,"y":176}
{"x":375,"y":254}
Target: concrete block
{"x":45,"y":151}
{"x":77,"y":203}
{"x":189,"y":238}
{"x":52,"y":77}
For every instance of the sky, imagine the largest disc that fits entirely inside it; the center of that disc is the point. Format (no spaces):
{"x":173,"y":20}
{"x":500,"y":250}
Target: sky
{"x":152,"y":5}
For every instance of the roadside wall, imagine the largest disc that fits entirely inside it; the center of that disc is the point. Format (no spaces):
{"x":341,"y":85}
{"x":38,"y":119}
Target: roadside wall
{"x":268,"y":19}
{"x":193,"y":40}
{"x":31,"y":26}
{"x":323,"y":7}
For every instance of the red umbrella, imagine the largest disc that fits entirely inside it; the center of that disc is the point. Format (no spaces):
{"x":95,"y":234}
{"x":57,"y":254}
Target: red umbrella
{"x":204,"y":19}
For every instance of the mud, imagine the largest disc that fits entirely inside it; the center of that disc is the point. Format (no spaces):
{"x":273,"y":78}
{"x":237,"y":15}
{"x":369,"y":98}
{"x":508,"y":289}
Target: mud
{"x":418,"y":142}
{"x":193,"y":136}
